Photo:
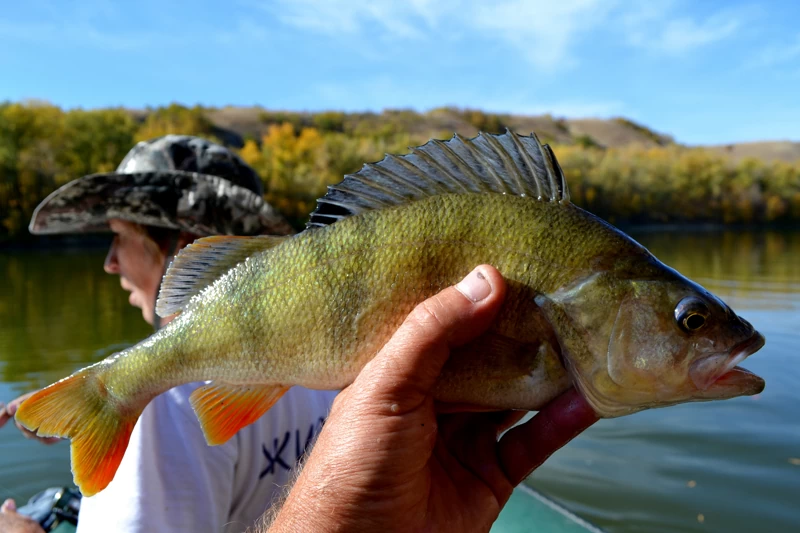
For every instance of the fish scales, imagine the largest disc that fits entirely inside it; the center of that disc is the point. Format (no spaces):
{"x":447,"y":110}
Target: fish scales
{"x":586,"y":306}
{"x":313,"y":311}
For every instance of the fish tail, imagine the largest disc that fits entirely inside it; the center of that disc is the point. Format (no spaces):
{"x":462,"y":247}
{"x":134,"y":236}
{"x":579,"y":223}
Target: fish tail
{"x":81,"y":408}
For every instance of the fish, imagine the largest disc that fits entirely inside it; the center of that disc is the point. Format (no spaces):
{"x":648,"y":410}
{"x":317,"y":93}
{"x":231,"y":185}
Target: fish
{"x":586,"y":306}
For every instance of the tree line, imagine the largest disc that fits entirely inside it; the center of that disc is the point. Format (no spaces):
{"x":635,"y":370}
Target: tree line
{"x":298,"y":155}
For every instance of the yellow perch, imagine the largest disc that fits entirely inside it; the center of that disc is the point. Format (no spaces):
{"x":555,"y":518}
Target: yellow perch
{"x":586,"y":305}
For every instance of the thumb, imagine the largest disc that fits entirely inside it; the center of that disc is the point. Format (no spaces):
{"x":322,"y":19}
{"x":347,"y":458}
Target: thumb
{"x":409,"y":364}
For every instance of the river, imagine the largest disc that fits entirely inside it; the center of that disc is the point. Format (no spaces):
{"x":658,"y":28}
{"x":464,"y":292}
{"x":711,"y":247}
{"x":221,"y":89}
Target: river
{"x":719,"y":466}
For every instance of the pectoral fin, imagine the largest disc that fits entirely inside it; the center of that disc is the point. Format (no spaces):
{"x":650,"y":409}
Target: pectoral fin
{"x":224,"y":409}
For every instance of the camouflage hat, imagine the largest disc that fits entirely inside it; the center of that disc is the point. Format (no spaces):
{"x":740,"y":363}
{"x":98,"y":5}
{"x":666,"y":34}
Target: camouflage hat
{"x":176,"y":181}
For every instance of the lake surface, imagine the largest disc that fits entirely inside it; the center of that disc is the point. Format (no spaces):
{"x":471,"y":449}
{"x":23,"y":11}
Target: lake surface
{"x":720,"y":466}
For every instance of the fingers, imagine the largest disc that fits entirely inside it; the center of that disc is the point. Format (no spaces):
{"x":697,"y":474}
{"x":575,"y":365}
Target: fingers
{"x":524,"y":448}
{"x":13,"y":405}
{"x":471,"y":439}
{"x":507,"y":419}
{"x":9,"y":506}
{"x":10,"y":520}
{"x":7,"y":413}
{"x":4,"y":416}
{"x":496,"y":421}
{"x":413,"y":358}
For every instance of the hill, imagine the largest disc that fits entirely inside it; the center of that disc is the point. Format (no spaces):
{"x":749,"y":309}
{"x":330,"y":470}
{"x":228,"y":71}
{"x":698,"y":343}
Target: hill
{"x":766,"y":151}
{"x":253,"y":122}
{"x":236,"y":124}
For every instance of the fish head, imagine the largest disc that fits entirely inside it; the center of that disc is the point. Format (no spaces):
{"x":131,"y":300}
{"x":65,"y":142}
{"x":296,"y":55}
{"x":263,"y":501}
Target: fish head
{"x":642,"y":343}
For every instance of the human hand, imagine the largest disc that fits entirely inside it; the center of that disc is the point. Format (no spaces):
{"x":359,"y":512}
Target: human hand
{"x":7,"y":412}
{"x":386,"y":461}
{"x":13,"y":522}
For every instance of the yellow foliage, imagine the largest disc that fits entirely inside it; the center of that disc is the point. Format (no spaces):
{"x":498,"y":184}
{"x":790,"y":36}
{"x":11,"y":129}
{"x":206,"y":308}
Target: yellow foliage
{"x":300,"y":154}
{"x":251,"y":154}
{"x":175,"y":119}
{"x":776,"y":207}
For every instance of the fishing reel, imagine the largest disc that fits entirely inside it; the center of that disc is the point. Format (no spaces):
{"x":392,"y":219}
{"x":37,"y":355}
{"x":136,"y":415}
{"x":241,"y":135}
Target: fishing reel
{"x":55,"y":509}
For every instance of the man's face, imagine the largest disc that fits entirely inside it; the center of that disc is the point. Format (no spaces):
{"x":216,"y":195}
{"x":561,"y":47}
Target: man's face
{"x":139,"y":262}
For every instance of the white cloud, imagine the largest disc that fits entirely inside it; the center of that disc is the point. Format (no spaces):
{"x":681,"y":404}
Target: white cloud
{"x":540,"y":31}
{"x":79,"y":33}
{"x":654,"y":26}
{"x":567,"y":108}
{"x":776,"y":55}
{"x":245,"y":30}
{"x":84,"y":23}
{"x":544,"y":33}
{"x":405,"y":19}
{"x":681,"y":35}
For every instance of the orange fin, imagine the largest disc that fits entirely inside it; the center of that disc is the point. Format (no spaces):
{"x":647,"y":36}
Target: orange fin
{"x":224,"y":409}
{"x":78,"y":407}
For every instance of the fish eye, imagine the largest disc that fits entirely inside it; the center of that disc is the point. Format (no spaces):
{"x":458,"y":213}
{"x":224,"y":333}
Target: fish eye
{"x":691,"y":314}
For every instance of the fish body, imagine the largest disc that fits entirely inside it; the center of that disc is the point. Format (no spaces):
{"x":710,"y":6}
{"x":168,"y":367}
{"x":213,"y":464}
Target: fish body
{"x":586,"y":306}
{"x":313,"y":310}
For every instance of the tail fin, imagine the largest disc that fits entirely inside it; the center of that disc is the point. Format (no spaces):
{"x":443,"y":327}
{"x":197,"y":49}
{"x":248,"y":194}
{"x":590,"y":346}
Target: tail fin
{"x":79,"y":407}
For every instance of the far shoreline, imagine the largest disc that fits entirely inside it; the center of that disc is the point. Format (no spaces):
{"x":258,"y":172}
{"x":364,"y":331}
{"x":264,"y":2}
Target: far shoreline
{"x":100,"y":241}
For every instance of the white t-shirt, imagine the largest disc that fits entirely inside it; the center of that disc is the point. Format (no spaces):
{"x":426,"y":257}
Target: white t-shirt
{"x":171,"y":480}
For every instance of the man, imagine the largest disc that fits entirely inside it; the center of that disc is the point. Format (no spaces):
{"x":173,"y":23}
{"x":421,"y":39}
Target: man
{"x":166,"y":193}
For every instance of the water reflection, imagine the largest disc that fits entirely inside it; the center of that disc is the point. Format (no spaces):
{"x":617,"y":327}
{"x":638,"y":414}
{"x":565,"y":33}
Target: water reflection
{"x":60,"y":311}
{"x":759,"y":270}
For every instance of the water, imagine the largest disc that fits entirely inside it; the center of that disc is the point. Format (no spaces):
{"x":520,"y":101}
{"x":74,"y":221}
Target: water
{"x":721,"y":466}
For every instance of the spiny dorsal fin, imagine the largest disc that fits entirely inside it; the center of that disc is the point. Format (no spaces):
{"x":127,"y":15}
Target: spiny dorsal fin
{"x":201,"y":263}
{"x":502,"y":164}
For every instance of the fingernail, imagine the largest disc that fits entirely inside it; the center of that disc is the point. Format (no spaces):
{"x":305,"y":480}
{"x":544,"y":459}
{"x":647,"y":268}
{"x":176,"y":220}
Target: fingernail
{"x":11,"y":409}
{"x":475,"y":286}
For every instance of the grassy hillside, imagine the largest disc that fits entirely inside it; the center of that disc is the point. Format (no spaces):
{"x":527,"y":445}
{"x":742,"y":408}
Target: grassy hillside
{"x":766,"y":151}
{"x":253,"y":122}
{"x":618,"y":169}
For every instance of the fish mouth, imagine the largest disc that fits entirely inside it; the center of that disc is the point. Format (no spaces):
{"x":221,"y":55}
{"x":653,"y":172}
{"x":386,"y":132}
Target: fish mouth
{"x":719,"y":376}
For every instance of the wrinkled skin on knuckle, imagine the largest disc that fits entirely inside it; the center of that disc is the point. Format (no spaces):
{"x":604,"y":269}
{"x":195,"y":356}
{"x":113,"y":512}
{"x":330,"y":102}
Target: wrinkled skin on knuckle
{"x":427,"y":315}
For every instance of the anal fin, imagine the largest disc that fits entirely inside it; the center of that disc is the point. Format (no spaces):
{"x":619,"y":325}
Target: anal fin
{"x":223,"y":409}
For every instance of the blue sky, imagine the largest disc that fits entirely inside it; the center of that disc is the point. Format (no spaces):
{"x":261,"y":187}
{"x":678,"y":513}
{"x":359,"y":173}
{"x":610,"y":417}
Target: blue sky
{"x":703,"y":71}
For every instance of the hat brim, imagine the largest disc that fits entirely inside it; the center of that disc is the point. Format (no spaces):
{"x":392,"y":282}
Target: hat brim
{"x":197,"y":203}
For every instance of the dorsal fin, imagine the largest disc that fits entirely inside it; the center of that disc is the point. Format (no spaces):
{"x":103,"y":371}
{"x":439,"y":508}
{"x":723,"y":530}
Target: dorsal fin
{"x":502,"y":164}
{"x":201,"y":263}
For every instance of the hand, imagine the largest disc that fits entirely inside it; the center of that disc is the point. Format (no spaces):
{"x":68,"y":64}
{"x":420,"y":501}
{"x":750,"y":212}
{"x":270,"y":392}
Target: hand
{"x":385,"y":461}
{"x":7,"y":412}
{"x":13,"y":522}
